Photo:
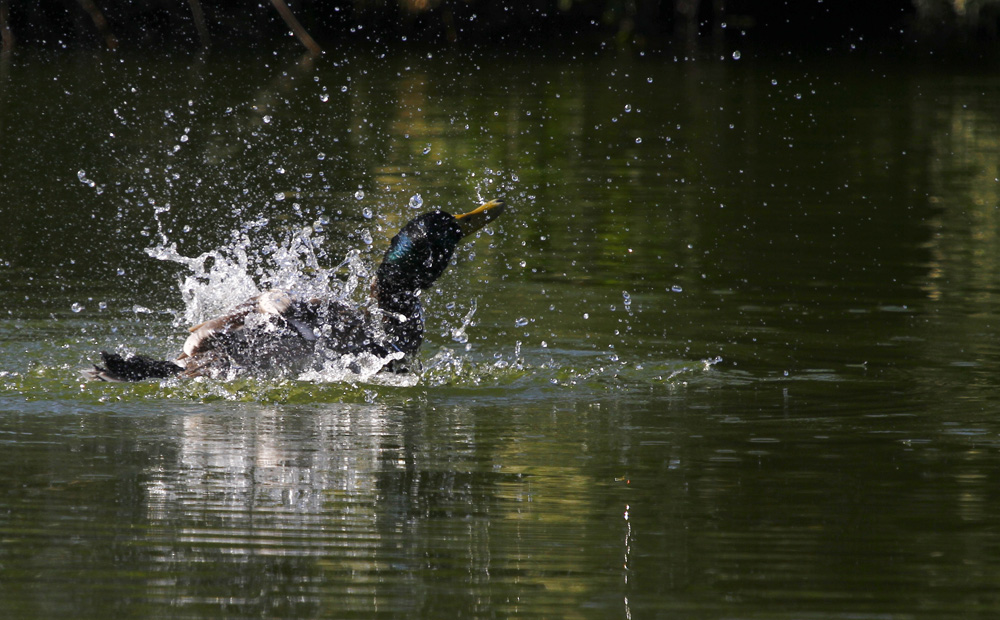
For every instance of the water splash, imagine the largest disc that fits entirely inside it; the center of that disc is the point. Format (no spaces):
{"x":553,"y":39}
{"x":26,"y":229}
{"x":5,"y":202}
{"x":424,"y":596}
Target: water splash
{"x":459,"y":334}
{"x":218,"y":280}
{"x":364,"y":368}
{"x":243,"y":266}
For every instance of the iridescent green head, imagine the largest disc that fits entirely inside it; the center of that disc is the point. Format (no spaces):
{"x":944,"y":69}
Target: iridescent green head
{"x":419,"y":253}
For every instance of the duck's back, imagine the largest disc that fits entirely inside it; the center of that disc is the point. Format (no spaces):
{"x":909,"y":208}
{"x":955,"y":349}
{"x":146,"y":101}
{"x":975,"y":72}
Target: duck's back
{"x":277,"y":331}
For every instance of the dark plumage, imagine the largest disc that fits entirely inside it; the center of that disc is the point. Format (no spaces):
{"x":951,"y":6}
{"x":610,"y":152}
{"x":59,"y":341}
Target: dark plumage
{"x":280,"y":330}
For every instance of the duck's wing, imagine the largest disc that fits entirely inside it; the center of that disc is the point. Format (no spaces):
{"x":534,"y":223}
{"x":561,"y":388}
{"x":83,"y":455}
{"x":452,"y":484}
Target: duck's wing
{"x":207,"y":336}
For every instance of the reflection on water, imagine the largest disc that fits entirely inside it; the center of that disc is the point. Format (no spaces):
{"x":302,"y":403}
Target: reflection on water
{"x":340,"y":509}
{"x":263,"y":504}
{"x":731,"y":354}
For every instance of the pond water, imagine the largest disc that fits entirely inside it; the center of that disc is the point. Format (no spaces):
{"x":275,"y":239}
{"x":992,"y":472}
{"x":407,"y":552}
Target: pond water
{"x":731,"y":352}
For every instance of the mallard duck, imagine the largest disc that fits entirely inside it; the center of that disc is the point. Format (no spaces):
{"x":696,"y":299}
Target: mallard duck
{"x":280,"y":330}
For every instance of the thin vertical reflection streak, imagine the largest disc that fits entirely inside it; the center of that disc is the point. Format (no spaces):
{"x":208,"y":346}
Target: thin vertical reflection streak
{"x":625,"y":565}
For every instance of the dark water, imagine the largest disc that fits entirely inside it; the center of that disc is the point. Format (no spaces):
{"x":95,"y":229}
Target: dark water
{"x":732,"y":352}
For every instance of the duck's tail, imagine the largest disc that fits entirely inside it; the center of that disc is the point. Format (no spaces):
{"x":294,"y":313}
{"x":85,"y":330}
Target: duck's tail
{"x":135,"y":368}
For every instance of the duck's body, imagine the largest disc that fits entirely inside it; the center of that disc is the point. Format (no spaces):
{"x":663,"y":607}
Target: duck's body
{"x":281,"y":331}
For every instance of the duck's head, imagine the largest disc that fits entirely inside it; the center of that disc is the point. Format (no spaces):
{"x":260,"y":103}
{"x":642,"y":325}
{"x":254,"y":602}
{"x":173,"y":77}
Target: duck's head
{"x":419,"y":253}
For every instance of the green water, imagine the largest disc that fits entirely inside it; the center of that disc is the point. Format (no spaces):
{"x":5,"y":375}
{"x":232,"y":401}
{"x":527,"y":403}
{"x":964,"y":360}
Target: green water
{"x":733,"y":348}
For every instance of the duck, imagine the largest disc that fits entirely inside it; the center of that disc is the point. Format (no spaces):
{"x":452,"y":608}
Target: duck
{"x":280,"y":330}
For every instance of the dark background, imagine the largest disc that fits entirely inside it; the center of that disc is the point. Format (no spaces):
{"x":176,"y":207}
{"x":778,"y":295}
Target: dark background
{"x":639,"y":24}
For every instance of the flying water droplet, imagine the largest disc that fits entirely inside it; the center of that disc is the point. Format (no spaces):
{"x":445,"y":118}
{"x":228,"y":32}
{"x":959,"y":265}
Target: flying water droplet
{"x":521,"y":322}
{"x":359,"y":195}
{"x":83,"y":178}
{"x":416,"y":201}
{"x":458,"y":334}
{"x":76,"y":307}
{"x":736,"y":55}
{"x":367,"y":213}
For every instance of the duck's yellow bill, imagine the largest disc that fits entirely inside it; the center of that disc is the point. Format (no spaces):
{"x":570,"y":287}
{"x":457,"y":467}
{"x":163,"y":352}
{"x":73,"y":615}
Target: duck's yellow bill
{"x":477,"y":218}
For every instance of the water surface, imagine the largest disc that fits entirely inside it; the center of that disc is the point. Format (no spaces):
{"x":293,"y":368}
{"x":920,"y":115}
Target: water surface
{"x":730,"y":354}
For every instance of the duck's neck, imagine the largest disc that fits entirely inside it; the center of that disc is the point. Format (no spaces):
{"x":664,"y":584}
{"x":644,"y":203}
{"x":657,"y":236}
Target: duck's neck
{"x":400,"y":315}
{"x":417,"y":256}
